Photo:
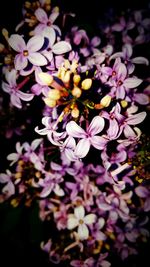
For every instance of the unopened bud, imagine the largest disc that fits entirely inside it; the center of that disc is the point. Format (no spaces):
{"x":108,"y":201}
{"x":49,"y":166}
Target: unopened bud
{"x":76,"y":79}
{"x":76,"y":92}
{"x":75,"y":112}
{"x":124,"y":103}
{"x":5,"y":33}
{"x":50,"y":102}
{"x":105,"y":101}
{"x":1,"y":47}
{"x":86,"y":84}
{"x":66,"y":77}
{"x":54,"y":94}
{"x":46,"y":78}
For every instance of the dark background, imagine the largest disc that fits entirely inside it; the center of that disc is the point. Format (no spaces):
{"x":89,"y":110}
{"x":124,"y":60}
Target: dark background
{"x":19,"y":240}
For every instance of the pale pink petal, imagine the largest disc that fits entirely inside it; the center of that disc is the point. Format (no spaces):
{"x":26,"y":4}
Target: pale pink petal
{"x":128,"y":132}
{"x":142,"y":191}
{"x":9,"y":189}
{"x":79,"y":212}
{"x":6,"y":87}
{"x":48,"y":55}
{"x":41,"y":15}
{"x":74,"y":130}
{"x":95,"y":41}
{"x":37,"y":59}
{"x":25,"y":96}
{"x":140,"y":60}
{"x":132,"y":82}
{"x":140,"y":98}
{"x":137,"y":118}
{"x":4,"y":178}
{"x":83,"y":232}
{"x":61,"y":47}
{"x":53,"y":16}
{"x":35,"y":143}
{"x":127,"y":49}
{"x":89,"y":219}
{"x":101,"y":223}
{"x":35,"y":43}
{"x":98,"y":142}
{"x":11,"y":77}
{"x":20,"y":62}
{"x":113,"y":129}
{"x":47,"y":190}
{"x":82,"y":148}
{"x":147,"y":204}
{"x":50,"y":34}
{"x":15,"y":100}
{"x":72,"y":222}
{"x":58,"y":191}
{"x":121,"y":71}
{"x":17,"y":42}
{"x":96,"y":126}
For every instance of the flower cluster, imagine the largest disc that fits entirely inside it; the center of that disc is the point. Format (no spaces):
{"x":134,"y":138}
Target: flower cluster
{"x":80,"y":165}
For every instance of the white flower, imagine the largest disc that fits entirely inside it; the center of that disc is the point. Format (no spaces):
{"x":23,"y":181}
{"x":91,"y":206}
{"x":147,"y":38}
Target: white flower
{"x":79,"y":219}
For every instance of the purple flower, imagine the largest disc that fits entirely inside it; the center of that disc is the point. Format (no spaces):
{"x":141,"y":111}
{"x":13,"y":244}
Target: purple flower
{"x":57,"y":48}
{"x":27,"y":52}
{"x":143,"y":192}
{"x":89,"y":136}
{"x":11,"y":88}
{"x":79,"y":263}
{"x":9,"y":188}
{"x":45,"y":21}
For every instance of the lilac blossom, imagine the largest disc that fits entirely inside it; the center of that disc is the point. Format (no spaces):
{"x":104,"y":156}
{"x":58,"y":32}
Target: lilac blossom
{"x":46,"y":22}
{"x":143,"y":192}
{"x":57,"y":48}
{"x":86,"y":263}
{"x":27,"y":52}
{"x":11,"y":87}
{"x":9,"y":188}
{"x":89,"y":136}
{"x":79,"y":219}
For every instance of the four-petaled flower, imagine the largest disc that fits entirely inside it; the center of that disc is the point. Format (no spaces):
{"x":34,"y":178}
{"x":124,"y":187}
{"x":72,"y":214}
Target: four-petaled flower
{"x":79,"y":219}
{"x":88,"y":137}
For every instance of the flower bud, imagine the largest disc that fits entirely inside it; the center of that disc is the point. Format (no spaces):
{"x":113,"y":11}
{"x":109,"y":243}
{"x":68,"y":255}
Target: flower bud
{"x":76,"y":92}
{"x":76,"y":79}
{"x":124,"y":103}
{"x":50,"y":102}
{"x":86,"y":84}
{"x":75,"y":112}
{"x":54,"y":94}
{"x":46,"y":78}
{"x":66,"y":77}
{"x":105,"y":101}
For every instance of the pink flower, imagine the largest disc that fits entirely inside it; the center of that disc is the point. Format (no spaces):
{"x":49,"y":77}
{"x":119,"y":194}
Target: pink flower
{"x":45,"y":21}
{"x":88,"y":137}
{"x":11,"y":88}
{"x":27,"y":52}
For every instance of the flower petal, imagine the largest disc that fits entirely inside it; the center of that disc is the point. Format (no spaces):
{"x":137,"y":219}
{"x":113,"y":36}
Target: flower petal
{"x":98,"y":142}
{"x":141,"y":191}
{"x":50,"y":34}
{"x":132,"y":82}
{"x":37,"y":59}
{"x":82,"y":148}
{"x":113,"y":129}
{"x":72,"y":222}
{"x":83,"y":232}
{"x":35,"y":43}
{"x":79,"y":212}
{"x":11,"y":77}
{"x":89,"y":219}
{"x":137,"y":118}
{"x":74,"y":130}
{"x":20,"y":62}
{"x":17,"y":42}
{"x":25,"y":96}
{"x":41,"y":15}
{"x":140,"y":60}
{"x":61,"y":48}
{"x":96,"y":125}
